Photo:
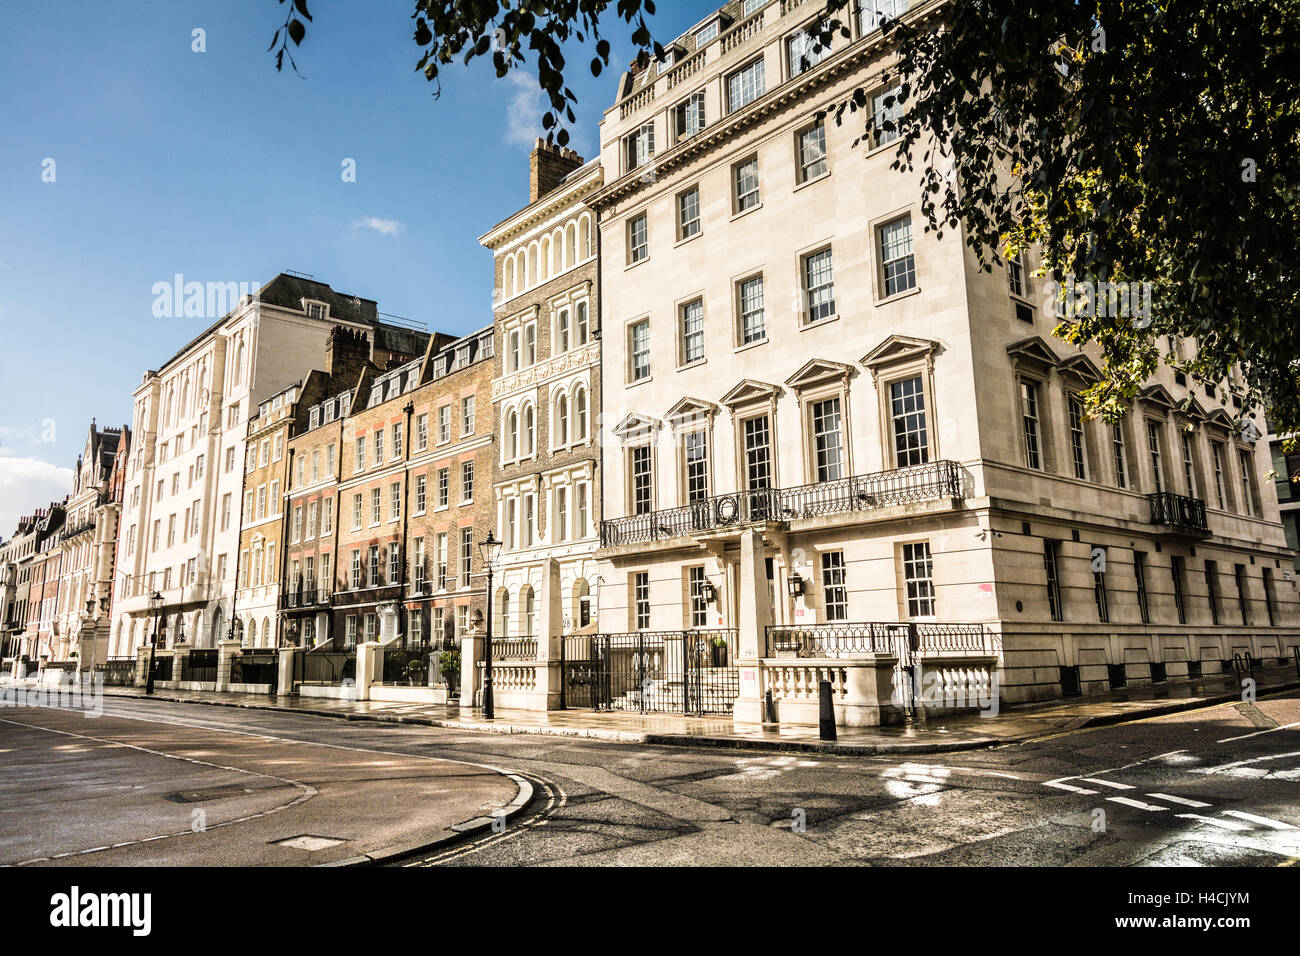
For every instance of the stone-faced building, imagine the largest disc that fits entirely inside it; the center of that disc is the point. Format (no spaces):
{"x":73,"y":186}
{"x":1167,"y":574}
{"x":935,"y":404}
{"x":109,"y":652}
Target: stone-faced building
{"x":16,"y":555}
{"x":186,"y":481}
{"x":824,"y":417}
{"x":416,"y":461}
{"x":89,"y":545}
{"x":41,"y":637}
{"x":545,"y":400}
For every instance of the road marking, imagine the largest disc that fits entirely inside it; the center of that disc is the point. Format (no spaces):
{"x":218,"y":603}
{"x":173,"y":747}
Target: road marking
{"x":1183,"y":800}
{"x":1065,"y":786}
{"x":1135,"y":803}
{"x":1241,"y":763}
{"x":1227,"y":740}
{"x":1262,"y":821}
{"x":1107,"y":783}
{"x":1222,"y":824}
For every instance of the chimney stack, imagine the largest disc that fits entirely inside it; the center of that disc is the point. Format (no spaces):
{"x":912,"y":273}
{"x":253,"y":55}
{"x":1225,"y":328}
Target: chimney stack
{"x":346,"y":353}
{"x":547,"y":167}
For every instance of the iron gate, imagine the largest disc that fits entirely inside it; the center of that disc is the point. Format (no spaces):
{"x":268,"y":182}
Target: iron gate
{"x":661,"y":672}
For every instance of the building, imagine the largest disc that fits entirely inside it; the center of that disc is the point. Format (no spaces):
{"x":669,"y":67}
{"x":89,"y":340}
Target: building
{"x":185,"y":482}
{"x":16,"y":556}
{"x":315,"y":444}
{"x":40,"y":639}
{"x":822,"y":417}
{"x":88,"y":543}
{"x":545,"y":404}
{"x":1286,"y":476}
{"x":416,"y":460}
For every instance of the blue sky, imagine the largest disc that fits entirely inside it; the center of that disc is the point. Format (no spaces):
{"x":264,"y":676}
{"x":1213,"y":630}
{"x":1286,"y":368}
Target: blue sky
{"x":214,"y":166}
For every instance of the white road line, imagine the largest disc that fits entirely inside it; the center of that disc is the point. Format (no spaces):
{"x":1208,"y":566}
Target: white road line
{"x":1262,"y":821}
{"x":1227,"y":740}
{"x":1135,"y":803}
{"x":1107,"y":783}
{"x":1065,"y":786}
{"x":1183,"y":800}
{"x":1242,"y":763}
{"x":1221,"y":824}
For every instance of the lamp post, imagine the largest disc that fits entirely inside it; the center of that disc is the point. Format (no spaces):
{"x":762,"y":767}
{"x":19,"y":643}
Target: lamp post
{"x":489,"y":549}
{"x":155,"y":604}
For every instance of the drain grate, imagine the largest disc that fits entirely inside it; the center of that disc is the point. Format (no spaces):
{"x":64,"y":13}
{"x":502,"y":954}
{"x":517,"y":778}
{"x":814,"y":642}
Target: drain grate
{"x":309,"y":843}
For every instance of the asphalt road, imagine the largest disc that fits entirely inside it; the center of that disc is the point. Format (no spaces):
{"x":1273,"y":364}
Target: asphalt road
{"x":1217,"y":786}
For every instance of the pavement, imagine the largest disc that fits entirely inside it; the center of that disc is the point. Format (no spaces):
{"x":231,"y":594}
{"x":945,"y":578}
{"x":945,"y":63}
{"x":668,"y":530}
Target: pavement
{"x":969,"y":731}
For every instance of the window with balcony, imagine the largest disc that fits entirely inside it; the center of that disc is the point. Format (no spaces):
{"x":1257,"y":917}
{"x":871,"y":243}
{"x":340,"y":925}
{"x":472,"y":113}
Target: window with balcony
{"x":757,"y":432}
{"x":1153,"y":449}
{"x":641,"y":471}
{"x":695,"y":465}
{"x":827,"y":435}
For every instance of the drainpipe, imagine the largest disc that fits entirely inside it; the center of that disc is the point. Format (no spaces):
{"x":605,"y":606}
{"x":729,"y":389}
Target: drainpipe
{"x":409,"y":410}
{"x":284,"y":541}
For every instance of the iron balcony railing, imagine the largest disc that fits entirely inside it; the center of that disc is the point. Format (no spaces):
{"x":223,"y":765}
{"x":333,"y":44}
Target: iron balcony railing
{"x":1179,"y":512}
{"x":832,"y":640}
{"x":305,"y":597}
{"x":69,"y":533}
{"x":929,"y":482}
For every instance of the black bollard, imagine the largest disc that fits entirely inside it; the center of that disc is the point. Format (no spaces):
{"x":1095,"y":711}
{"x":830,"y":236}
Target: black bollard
{"x":826,"y":718}
{"x":769,"y":708}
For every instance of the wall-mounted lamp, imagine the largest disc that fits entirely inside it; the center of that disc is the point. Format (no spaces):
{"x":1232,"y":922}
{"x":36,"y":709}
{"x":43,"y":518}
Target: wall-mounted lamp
{"x":708,"y":592}
{"x":795,"y":584}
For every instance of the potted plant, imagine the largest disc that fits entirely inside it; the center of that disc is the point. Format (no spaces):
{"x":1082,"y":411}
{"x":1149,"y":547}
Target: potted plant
{"x":719,"y":651}
{"x":449,"y":668}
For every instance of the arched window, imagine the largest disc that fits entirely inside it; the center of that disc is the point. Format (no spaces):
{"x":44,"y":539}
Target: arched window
{"x":584,"y":237}
{"x":562,"y":420}
{"x":512,"y":435}
{"x":266,"y":631}
{"x":185,"y":397}
{"x":529,"y":603}
{"x":580,"y":407}
{"x":521,"y":280}
{"x":571,"y":246}
{"x":252,"y":632}
{"x":529,"y":431}
{"x":239,"y":363}
{"x":581,"y":333}
{"x":546,"y":260}
{"x":508,"y":277}
{"x":562,"y":331}
{"x":533,"y":274}
{"x":557,"y":252}
{"x":504,"y":629}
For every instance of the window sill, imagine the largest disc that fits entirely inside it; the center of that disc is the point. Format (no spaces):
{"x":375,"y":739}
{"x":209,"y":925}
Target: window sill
{"x":681,"y":242}
{"x":639,"y":381}
{"x":915,"y":290}
{"x":814,"y":181}
{"x":632,"y":265}
{"x":690,"y":365}
{"x":807,"y":326}
{"x":746,"y":212}
{"x":881,"y":148}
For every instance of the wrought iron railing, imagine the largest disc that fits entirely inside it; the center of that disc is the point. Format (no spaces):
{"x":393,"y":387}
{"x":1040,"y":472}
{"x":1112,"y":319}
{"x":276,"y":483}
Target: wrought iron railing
{"x":514,"y":648}
{"x":831,"y":640}
{"x":411,"y":667}
{"x":201,"y":666}
{"x":1179,"y":511}
{"x":69,"y":533}
{"x":932,"y":481}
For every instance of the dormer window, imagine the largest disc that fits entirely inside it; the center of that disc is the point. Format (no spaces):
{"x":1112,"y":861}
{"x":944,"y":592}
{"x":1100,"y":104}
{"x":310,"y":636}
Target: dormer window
{"x":706,"y":33}
{"x":315,"y":310}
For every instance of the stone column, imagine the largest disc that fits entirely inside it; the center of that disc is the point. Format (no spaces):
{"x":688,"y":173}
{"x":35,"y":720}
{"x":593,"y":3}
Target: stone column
{"x":227,"y":651}
{"x":285,"y":683}
{"x":549,"y":637}
{"x":755,"y":616}
{"x":471,"y":649}
{"x":180,"y":661}
{"x":368,"y":653}
{"x":142,"y":665}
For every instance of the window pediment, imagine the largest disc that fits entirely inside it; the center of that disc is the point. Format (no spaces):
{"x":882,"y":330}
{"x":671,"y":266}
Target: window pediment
{"x":750,"y":392}
{"x":897,"y":349}
{"x":1192,"y":410}
{"x":1082,"y":368}
{"x":636,"y":428}
{"x":818,"y":372}
{"x":690,"y":411}
{"x":1034,"y":350}
{"x":1158,"y":395}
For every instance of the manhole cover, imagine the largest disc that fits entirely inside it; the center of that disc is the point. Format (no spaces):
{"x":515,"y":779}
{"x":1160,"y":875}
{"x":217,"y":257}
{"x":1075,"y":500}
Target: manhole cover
{"x":309,"y":843}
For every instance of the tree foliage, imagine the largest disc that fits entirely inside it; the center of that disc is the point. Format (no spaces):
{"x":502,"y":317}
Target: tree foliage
{"x":1139,"y":141}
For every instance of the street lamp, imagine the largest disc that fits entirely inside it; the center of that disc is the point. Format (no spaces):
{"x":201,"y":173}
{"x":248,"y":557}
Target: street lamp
{"x":155,"y":604}
{"x":489,"y":550}
{"x":795,"y":584}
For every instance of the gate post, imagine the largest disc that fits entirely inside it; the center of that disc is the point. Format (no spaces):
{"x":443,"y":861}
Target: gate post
{"x":755,"y":616}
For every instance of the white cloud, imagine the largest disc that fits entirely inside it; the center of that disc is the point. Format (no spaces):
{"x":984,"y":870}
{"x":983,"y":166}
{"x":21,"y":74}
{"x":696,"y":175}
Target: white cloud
{"x":385,"y":227}
{"x":27,"y":484}
{"x":524,"y":111}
